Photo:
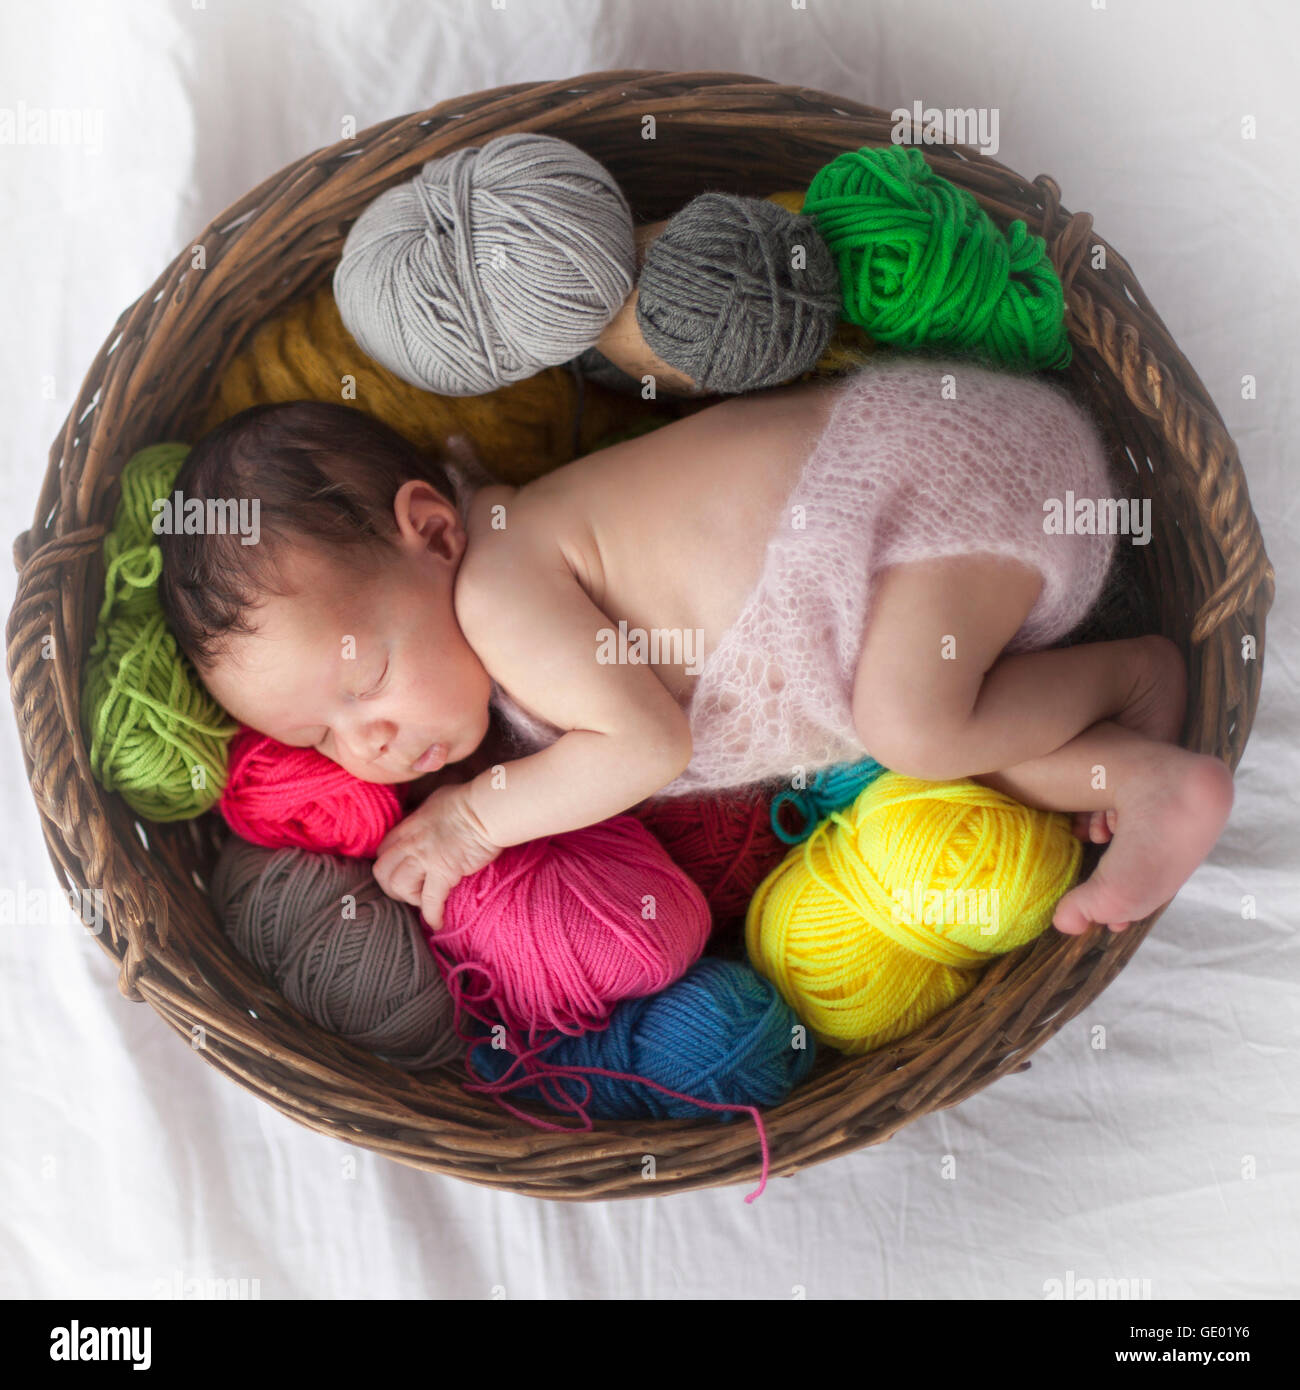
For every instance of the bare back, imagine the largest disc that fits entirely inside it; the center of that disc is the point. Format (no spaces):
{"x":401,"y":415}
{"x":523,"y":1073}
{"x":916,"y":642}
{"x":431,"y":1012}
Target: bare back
{"x":669,"y":530}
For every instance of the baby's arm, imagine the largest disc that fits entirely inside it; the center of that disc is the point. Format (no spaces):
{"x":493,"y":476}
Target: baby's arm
{"x":535,"y":629}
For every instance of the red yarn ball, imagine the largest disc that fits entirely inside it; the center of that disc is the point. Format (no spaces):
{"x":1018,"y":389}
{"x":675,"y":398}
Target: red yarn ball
{"x":280,"y":796}
{"x":723,"y":841}
{"x":553,"y":933}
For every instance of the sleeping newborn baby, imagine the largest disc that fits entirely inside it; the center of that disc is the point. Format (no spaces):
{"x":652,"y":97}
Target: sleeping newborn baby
{"x":878,"y":565}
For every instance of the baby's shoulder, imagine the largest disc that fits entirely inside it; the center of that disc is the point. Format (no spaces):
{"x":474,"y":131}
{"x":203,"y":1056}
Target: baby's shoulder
{"x":508,"y":528}
{"x":513,"y":556}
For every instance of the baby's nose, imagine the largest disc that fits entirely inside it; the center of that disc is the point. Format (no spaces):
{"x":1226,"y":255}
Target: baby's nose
{"x":373,"y":743}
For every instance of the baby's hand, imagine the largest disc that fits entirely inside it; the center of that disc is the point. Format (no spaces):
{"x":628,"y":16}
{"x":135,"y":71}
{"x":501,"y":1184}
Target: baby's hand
{"x":426,"y":854}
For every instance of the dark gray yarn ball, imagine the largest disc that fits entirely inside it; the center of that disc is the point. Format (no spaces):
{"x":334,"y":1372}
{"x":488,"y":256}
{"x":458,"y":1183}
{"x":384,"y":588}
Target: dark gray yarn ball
{"x":370,"y":978}
{"x":719,"y":299}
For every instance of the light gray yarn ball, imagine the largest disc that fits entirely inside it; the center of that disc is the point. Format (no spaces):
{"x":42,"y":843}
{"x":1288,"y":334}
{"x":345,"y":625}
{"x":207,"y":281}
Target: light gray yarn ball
{"x":489,"y":266}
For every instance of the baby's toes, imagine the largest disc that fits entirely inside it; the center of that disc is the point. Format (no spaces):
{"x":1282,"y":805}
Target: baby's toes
{"x":1094,"y":827}
{"x":1071,"y":916}
{"x":1089,"y":902}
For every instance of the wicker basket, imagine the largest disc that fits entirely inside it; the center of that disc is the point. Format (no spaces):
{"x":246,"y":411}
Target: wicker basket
{"x":1205,"y":579}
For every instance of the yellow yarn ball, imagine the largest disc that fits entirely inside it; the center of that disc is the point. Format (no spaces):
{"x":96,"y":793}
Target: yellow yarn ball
{"x":884,"y":916}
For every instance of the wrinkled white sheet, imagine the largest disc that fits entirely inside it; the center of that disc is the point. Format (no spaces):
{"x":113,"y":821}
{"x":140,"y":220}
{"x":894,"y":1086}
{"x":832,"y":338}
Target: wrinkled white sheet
{"x":1169,"y":1156}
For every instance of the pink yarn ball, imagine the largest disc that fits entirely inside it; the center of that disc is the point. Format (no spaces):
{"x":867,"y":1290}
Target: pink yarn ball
{"x":280,"y":796}
{"x":565,"y":927}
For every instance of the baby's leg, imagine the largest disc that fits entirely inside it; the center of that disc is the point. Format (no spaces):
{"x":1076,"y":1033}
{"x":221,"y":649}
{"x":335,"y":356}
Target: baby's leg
{"x":1169,"y":804}
{"x":934,"y":696}
{"x":1077,"y":729}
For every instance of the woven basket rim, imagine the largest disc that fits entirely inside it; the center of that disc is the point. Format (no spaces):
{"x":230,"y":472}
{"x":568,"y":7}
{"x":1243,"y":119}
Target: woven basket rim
{"x":278,"y":242}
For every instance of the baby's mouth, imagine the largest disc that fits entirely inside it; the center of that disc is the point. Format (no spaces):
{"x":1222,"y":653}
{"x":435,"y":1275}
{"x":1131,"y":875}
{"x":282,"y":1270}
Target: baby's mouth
{"x":431,"y":759}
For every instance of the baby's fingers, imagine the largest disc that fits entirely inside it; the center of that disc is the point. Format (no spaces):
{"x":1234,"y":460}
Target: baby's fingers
{"x":400,"y":876}
{"x":395,"y":838}
{"x":432,"y":898}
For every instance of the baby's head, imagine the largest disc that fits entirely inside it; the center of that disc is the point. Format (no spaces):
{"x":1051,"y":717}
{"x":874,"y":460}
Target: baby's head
{"x":336,"y":628}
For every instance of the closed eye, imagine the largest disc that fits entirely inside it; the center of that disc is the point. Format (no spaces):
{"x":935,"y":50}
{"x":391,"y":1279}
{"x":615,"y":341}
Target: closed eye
{"x":380,"y":685}
{"x":374,"y":690}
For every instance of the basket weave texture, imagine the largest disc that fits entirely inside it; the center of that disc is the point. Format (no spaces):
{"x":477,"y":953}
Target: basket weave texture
{"x":1204,"y":580}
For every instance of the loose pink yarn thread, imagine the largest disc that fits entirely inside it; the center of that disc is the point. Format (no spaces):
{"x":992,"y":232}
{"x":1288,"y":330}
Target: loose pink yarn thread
{"x":280,"y":796}
{"x":535,"y":1070}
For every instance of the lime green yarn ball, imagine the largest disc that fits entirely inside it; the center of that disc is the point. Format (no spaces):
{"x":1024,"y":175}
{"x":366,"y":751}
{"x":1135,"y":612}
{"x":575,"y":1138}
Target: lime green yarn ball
{"x":922,"y":265}
{"x":132,"y":559}
{"x":154,"y":733}
{"x":149,"y":474}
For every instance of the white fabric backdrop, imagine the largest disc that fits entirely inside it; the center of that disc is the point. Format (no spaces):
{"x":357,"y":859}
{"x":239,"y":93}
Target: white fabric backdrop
{"x":1170,"y":1156}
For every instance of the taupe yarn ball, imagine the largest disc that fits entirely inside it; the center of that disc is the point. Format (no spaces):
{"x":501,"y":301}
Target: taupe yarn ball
{"x":338,"y":948}
{"x":738,"y":293}
{"x":490,"y":265}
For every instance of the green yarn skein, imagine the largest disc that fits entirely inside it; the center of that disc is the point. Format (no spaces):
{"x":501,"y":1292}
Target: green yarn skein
{"x":152,"y":729}
{"x":923,"y":265}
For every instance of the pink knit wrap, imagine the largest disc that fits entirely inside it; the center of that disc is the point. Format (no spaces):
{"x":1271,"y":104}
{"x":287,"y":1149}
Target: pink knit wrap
{"x":920,"y":459}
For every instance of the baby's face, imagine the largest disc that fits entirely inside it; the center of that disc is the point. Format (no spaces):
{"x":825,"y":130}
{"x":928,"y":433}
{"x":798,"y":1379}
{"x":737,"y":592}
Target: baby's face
{"x":372,"y":671}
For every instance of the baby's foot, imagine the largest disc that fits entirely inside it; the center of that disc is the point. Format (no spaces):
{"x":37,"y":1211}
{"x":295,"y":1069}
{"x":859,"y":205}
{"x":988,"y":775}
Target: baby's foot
{"x":1168,"y":821}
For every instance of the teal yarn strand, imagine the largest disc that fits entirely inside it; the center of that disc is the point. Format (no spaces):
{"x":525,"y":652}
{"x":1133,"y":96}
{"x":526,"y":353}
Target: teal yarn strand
{"x":831,"y":789}
{"x":922,"y":265}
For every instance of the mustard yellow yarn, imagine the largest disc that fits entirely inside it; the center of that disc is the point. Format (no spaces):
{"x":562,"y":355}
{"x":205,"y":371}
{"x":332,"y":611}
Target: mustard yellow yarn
{"x":790,"y":199}
{"x":884,"y":916}
{"x":520,"y":431}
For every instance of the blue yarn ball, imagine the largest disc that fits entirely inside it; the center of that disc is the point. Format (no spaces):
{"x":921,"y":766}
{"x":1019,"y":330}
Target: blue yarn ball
{"x":831,"y":789}
{"x":722,"y":1033}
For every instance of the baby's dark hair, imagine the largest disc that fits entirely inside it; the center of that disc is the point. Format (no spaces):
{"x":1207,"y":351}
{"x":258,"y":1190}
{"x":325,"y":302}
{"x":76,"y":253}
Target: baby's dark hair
{"x":321,"y":472}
